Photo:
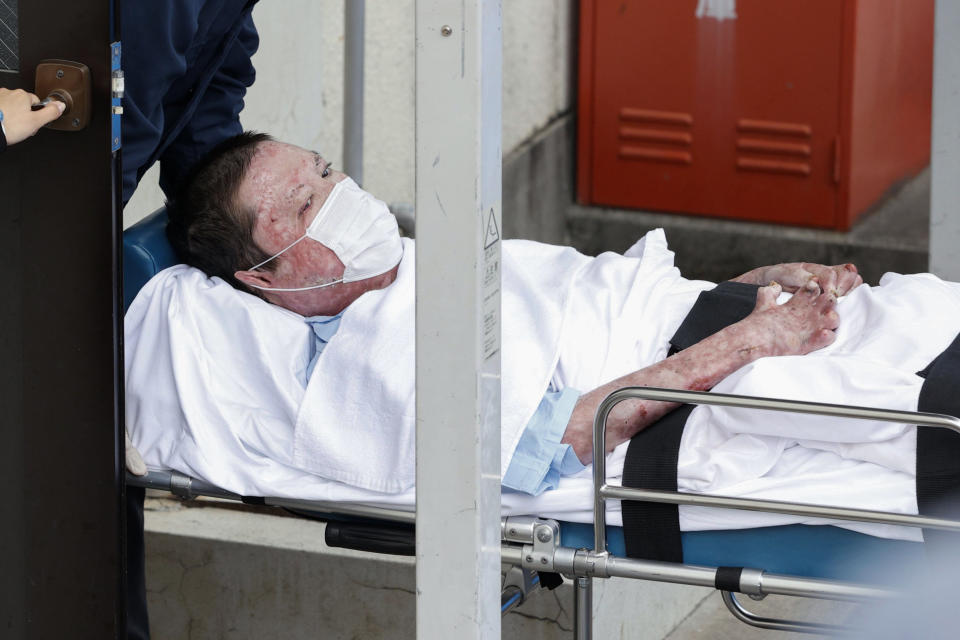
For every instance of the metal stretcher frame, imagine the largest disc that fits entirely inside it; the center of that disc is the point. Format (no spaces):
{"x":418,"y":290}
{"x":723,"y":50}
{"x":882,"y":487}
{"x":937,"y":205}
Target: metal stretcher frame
{"x":535,"y":544}
{"x":755,"y":583}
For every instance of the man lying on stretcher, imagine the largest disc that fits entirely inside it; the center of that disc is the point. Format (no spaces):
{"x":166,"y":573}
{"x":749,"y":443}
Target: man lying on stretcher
{"x":276,"y":221}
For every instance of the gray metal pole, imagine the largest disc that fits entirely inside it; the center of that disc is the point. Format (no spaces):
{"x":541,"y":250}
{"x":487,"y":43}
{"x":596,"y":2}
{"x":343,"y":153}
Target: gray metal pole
{"x":583,"y":608}
{"x":353,"y":20}
{"x":945,"y":144}
{"x":458,"y":198}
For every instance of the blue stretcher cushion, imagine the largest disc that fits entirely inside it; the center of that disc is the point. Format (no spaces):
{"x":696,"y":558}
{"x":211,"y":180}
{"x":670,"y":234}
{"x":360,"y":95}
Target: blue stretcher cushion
{"x":146,"y":252}
{"x":800,"y":550}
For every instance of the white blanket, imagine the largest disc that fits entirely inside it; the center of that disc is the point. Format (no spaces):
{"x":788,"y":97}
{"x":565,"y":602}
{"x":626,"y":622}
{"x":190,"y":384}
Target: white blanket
{"x":213,"y":385}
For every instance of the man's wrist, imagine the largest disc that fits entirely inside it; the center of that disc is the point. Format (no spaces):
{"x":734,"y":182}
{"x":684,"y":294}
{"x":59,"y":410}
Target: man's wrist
{"x":750,"y":340}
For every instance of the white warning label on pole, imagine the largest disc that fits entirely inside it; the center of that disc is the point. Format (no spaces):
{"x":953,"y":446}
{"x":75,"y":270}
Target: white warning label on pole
{"x":493,"y":233}
{"x":491,"y":287}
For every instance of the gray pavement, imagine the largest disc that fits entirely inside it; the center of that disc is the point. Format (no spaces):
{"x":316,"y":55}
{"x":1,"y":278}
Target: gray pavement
{"x":711,"y":620}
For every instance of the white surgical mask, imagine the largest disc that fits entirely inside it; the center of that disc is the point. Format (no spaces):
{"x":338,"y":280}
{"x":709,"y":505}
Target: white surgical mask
{"x":358,"y":228}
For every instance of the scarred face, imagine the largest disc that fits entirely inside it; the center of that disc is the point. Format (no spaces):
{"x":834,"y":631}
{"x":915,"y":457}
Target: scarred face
{"x":287,"y":186}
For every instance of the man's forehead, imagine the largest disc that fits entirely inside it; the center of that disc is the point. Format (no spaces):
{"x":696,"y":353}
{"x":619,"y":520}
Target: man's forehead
{"x":281,"y":158}
{"x":277,"y":173}
{"x":272,"y":167}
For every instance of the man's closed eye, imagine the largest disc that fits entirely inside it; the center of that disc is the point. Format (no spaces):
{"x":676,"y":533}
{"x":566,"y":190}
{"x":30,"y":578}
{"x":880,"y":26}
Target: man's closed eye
{"x":306,"y":206}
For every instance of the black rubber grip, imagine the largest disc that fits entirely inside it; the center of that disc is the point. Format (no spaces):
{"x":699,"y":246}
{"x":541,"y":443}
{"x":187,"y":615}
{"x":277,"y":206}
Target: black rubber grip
{"x":550,"y":580}
{"x":728,"y":578}
{"x":397,"y":540}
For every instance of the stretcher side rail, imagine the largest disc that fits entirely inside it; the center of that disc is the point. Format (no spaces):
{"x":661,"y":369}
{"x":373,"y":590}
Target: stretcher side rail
{"x":755,"y":583}
{"x":535,"y":546}
{"x":187,"y":487}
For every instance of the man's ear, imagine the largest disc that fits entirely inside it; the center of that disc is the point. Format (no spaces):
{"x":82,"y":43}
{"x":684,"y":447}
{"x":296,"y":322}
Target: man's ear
{"x":255,"y":279}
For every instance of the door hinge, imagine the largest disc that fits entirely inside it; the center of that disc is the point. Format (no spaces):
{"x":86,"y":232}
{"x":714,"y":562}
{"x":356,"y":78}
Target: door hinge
{"x":116,"y":96}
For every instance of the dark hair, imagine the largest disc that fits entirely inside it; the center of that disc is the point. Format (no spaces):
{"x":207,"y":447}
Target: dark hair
{"x":208,"y":226}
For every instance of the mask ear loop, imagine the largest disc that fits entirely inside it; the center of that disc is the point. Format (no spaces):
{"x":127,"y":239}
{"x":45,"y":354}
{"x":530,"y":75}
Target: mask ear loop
{"x":257,"y":266}
{"x":315,"y":286}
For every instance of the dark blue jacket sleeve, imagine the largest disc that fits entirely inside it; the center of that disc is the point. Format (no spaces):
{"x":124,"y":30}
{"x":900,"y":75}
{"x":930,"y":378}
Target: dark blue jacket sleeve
{"x":168,"y":47}
{"x":154,"y":57}
{"x":217,"y":116}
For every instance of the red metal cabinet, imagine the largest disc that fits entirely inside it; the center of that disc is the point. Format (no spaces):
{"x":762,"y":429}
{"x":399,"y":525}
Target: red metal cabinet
{"x":796,"y":111}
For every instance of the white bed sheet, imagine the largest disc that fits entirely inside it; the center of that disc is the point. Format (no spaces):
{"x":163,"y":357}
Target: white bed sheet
{"x":887,"y":333}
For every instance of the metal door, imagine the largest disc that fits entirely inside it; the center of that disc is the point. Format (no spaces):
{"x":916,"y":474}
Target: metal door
{"x":60,"y":334}
{"x":734,"y":118}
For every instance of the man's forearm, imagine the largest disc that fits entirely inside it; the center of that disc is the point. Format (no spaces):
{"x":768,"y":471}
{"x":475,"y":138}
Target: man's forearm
{"x":697,"y":368}
{"x":803,"y":324}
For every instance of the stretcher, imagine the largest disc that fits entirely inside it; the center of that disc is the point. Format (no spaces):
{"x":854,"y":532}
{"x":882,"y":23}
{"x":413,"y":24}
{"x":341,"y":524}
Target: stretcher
{"x":796,"y":560}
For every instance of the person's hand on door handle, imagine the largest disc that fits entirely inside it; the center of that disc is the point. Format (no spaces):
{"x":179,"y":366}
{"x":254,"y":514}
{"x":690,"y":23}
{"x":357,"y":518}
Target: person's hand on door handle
{"x":135,"y":464}
{"x":18,"y":120}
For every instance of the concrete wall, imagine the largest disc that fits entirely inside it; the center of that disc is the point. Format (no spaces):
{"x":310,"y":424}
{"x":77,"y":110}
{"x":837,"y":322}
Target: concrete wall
{"x":222,"y":573}
{"x":298,"y":93}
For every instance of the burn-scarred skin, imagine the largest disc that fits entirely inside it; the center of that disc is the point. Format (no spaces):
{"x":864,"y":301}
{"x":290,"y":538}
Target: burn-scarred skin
{"x":803,"y":324}
{"x":287,"y":185}
{"x":793,"y":275}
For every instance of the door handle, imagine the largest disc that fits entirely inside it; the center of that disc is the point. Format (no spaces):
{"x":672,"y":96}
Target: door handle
{"x":68,"y":82}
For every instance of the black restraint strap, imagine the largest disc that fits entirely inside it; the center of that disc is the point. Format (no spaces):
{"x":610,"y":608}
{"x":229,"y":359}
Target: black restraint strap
{"x":725,"y":304}
{"x":938,"y":450}
{"x":651,"y":530}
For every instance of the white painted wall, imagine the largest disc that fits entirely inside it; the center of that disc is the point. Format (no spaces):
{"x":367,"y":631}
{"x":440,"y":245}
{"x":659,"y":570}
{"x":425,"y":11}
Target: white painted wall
{"x":298,"y":93}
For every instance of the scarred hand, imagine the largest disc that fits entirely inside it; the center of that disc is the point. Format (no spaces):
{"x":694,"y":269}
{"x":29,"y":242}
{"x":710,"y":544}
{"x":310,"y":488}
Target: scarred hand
{"x":794,"y":275}
{"x":803,"y":324}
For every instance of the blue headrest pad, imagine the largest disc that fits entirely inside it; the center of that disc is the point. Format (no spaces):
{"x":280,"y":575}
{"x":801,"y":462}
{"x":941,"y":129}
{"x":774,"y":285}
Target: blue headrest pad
{"x":146,"y":252}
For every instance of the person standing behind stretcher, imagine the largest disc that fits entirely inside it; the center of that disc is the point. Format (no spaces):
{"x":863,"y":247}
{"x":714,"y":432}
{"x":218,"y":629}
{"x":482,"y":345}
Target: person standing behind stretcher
{"x":253,"y":212}
{"x":187,"y":65}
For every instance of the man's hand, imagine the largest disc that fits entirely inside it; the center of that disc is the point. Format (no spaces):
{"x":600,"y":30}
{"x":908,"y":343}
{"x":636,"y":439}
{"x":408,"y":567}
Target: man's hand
{"x":803,"y":324}
{"x":135,"y":463}
{"x":19,"y":120}
{"x":792,"y":276}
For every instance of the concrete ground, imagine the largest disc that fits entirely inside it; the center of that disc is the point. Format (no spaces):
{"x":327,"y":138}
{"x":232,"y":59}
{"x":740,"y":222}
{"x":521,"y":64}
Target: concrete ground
{"x":711,"y":620}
